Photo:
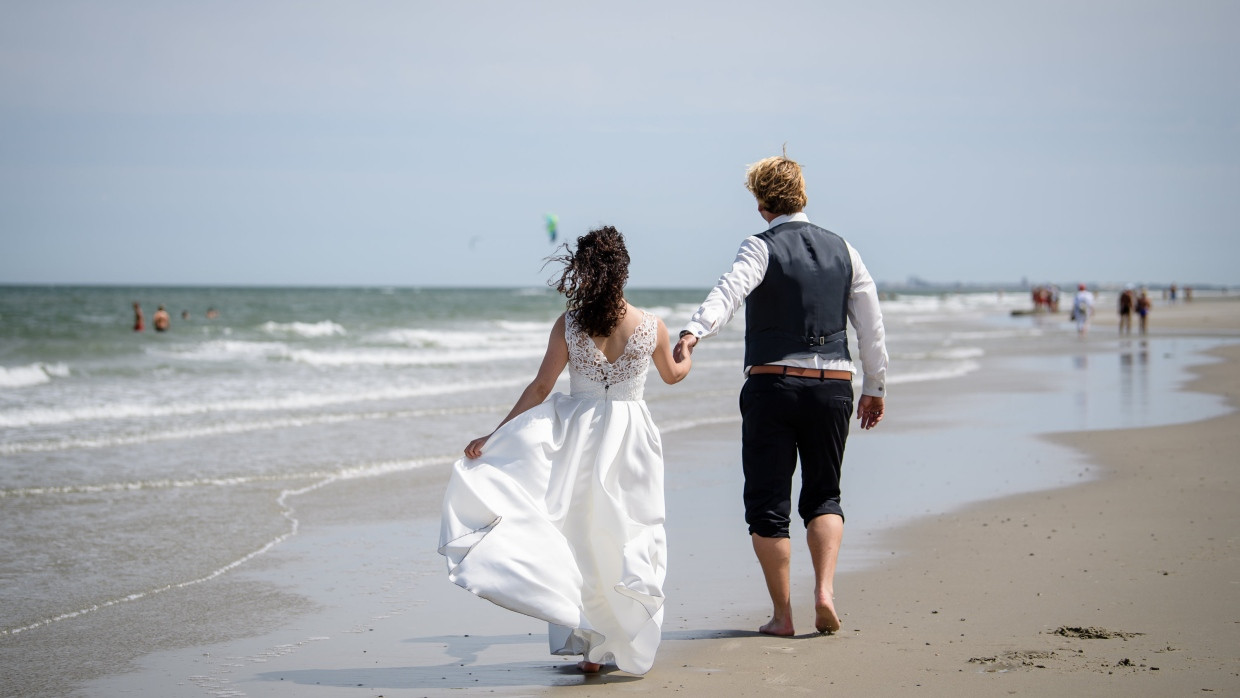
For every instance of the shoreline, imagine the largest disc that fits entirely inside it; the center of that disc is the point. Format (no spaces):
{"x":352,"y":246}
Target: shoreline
{"x":405,"y":631}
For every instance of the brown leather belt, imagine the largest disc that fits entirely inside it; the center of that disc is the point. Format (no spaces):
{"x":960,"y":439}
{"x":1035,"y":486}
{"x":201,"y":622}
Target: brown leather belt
{"x":820,"y":373}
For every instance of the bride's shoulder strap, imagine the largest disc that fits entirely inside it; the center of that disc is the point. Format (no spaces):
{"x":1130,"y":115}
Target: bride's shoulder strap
{"x":648,"y":329}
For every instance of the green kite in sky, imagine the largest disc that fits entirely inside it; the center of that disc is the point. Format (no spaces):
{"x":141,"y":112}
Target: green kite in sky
{"x":553,"y":223}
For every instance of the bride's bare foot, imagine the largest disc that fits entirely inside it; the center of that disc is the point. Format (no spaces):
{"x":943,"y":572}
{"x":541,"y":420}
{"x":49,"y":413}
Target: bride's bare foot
{"x":589,"y":667}
{"x":777,"y":626}
{"x":825,"y":618}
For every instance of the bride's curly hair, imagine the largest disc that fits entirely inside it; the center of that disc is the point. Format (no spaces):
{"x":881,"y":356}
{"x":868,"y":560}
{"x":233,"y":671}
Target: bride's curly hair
{"x":593,"y":279}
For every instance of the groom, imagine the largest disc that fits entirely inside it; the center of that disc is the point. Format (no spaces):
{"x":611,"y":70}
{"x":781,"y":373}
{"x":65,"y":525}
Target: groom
{"x":800,"y":285}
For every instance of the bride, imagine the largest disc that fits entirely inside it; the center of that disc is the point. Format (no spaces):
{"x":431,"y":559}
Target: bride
{"x":558,"y":513}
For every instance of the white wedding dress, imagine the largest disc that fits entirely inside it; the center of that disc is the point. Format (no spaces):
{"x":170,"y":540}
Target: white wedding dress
{"x":561,"y":518}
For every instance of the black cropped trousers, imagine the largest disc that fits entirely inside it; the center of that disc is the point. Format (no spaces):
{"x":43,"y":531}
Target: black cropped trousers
{"x":784,"y":418}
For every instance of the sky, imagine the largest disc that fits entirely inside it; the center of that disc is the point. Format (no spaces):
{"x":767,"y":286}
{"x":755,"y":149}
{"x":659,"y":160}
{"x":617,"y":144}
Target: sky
{"x":406,"y":143}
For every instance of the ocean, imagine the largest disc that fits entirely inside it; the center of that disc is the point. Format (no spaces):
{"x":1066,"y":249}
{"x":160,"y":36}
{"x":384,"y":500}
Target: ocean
{"x":133,"y":463}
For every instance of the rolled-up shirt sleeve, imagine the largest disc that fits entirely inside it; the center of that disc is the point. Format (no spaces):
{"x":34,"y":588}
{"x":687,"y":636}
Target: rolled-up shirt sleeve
{"x":729,"y":293}
{"x":867,"y":319}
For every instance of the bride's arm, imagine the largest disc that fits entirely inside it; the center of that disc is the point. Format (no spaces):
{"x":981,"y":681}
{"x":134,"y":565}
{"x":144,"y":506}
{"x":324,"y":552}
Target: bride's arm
{"x":670,"y":370}
{"x":553,"y":364}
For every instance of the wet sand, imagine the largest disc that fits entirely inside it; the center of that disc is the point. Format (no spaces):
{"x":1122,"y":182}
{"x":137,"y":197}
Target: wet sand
{"x":1125,"y":583}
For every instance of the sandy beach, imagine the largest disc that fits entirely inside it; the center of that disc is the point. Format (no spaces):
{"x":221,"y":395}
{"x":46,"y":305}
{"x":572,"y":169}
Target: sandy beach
{"x":1121,"y":578}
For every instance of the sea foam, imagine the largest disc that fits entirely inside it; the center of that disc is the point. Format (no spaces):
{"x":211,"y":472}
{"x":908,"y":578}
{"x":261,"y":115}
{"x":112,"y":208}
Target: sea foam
{"x":421,"y":357}
{"x":323,"y":328}
{"x":244,"y":426}
{"x":298,"y":401}
{"x":33,"y":374}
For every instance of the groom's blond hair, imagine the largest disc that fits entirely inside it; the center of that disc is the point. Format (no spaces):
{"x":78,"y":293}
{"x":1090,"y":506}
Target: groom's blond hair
{"x":777,"y":184}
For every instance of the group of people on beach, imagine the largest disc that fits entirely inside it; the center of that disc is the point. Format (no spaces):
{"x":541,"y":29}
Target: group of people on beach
{"x":558,"y":513}
{"x":1130,"y":301}
{"x":161,"y":321}
{"x":1171,"y":293}
{"x":1045,"y":298}
{"x":1133,"y":302}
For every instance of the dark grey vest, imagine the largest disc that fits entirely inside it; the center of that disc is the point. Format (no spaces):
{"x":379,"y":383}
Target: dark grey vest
{"x":801,"y":306}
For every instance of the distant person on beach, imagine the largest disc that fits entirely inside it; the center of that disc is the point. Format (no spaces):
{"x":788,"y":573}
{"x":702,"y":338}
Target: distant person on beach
{"x":801,"y":285}
{"x":1143,"y":306}
{"x":558,"y":513}
{"x":212,"y":313}
{"x":184,"y":314}
{"x":1127,"y":303}
{"x":139,"y":322}
{"x":160,"y":320}
{"x":1041,"y":299}
{"x":1082,"y":309}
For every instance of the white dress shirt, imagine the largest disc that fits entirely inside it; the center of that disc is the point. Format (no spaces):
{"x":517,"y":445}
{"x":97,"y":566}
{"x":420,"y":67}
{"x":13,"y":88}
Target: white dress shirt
{"x":747,"y":273}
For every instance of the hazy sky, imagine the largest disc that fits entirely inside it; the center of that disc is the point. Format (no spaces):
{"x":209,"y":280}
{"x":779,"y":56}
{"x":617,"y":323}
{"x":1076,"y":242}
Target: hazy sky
{"x":419,"y":143}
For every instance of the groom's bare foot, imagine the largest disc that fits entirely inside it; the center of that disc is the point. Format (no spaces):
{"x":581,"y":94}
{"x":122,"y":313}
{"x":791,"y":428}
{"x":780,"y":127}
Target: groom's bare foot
{"x":779,"y":627}
{"x":589,"y":667}
{"x":825,"y":618}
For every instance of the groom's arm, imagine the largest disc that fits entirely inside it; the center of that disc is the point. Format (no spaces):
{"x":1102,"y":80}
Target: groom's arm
{"x":867,"y":319}
{"x":727,"y":296}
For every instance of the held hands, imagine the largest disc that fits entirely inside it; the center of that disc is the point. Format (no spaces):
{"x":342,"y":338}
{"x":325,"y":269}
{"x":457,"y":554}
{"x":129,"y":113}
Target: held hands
{"x":474,"y":449}
{"x":870,"y":411}
{"x":684,"y":348}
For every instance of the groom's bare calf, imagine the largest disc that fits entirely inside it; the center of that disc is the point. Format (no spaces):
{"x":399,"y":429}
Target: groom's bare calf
{"x":775,"y":555}
{"x":824,"y":534}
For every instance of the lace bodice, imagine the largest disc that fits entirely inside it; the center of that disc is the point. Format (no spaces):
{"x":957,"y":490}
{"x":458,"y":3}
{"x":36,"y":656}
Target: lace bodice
{"x":592,"y":376}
